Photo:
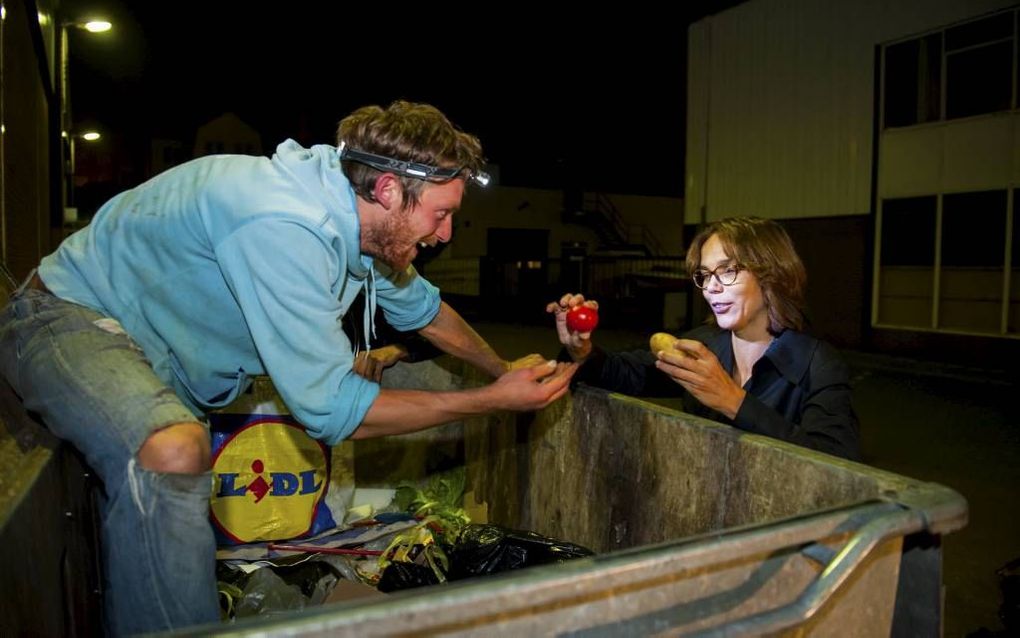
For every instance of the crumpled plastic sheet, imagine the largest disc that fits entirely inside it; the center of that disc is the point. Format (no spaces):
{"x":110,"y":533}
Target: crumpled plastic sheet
{"x":287,"y":581}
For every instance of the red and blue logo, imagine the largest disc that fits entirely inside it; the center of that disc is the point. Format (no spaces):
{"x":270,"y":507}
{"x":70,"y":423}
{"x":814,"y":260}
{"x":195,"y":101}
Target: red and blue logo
{"x":270,"y":479}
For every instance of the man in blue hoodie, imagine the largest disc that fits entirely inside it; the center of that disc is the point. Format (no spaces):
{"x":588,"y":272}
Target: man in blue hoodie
{"x":226,"y":267}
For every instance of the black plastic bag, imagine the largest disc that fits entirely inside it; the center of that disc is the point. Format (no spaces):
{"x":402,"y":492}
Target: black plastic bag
{"x":398,"y":576}
{"x":285,"y":583}
{"x":490,"y":549}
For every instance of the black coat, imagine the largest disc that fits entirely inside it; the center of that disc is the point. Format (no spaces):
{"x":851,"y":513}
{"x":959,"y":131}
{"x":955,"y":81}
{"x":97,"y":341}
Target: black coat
{"x":799,"y":391}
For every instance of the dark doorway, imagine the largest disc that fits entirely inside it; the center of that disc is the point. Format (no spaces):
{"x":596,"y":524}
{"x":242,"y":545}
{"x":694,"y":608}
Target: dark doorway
{"x":514,"y":272}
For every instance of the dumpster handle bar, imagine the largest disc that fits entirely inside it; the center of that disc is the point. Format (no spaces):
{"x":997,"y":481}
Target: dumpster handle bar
{"x":882,"y":520}
{"x":828,"y":582}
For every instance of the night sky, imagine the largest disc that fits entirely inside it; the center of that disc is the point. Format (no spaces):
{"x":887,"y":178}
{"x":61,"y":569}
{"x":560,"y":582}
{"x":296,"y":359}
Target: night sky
{"x":597,"y":100}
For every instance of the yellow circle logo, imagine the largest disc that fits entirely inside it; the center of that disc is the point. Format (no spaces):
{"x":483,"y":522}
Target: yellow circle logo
{"x":270,"y":479}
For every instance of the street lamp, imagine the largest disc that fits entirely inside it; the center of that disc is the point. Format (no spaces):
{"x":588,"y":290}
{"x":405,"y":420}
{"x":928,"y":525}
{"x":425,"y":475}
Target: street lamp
{"x":97,"y":26}
{"x":70,"y":206}
{"x":64,"y":100}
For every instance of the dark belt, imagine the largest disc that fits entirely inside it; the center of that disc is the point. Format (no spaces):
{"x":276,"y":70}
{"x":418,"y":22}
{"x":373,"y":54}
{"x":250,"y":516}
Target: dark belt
{"x":36,"y":283}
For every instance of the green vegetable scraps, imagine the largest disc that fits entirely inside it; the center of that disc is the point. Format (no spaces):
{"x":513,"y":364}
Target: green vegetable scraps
{"x":440,"y":522}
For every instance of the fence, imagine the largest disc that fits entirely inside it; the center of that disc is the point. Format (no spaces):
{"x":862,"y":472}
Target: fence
{"x":649,"y":290}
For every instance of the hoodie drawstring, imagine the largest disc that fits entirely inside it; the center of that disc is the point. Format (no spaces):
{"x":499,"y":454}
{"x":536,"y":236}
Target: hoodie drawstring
{"x":370,"y":305}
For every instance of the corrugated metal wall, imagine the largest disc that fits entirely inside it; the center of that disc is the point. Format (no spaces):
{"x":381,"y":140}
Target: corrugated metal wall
{"x":781,"y":103}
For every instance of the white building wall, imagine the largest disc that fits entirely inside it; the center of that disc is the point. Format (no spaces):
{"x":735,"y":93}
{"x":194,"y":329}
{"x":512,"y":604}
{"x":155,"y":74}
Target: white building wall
{"x":781,"y":103}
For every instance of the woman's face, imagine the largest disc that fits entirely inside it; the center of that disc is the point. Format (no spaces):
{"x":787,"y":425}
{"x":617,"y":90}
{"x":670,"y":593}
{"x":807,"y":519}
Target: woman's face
{"x":739,"y":307}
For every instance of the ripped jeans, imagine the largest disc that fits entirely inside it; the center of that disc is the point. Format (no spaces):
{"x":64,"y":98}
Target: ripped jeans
{"x":94,"y":388}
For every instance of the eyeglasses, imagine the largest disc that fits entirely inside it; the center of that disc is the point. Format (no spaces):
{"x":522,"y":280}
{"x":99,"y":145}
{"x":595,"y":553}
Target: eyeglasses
{"x":725,"y":275}
{"x":417,"y":170}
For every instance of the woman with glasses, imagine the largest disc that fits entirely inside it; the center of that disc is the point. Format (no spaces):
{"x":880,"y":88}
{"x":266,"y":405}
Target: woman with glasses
{"x":752,"y":365}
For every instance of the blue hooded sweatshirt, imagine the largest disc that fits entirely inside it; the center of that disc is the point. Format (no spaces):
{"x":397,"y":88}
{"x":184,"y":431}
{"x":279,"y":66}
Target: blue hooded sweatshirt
{"x":230,"y":266}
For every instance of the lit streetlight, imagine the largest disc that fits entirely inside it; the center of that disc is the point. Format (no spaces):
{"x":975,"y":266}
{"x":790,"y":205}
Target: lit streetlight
{"x":64,"y":100}
{"x":97,"y":26}
{"x":70,"y":206}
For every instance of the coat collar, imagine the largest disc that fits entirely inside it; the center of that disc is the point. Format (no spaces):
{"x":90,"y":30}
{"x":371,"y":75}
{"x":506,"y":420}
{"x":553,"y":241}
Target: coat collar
{"x":790,"y":354}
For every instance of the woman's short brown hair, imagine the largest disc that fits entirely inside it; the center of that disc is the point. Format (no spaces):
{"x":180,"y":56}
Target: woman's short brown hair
{"x":410,"y":132}
{"x":762,"y":247}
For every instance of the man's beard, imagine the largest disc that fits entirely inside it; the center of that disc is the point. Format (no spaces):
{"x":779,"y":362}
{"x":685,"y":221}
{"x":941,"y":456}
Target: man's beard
{"x":393,"y":242}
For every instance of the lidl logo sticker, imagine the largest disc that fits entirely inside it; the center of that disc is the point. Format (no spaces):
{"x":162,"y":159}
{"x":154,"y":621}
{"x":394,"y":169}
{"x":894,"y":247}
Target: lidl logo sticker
{"x":270,"y":479}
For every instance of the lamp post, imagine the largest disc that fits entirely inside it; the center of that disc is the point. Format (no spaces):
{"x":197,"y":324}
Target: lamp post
{"x":70,"y":205}
{"x":64,"y":100}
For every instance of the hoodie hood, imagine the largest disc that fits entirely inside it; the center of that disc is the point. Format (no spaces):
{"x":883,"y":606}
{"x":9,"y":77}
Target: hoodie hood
{"x":318,"y":171}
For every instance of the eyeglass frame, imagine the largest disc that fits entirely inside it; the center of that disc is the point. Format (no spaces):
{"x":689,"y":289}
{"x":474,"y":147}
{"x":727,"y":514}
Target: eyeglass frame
{"x":708,"y":274}
{"x":417,"y":170}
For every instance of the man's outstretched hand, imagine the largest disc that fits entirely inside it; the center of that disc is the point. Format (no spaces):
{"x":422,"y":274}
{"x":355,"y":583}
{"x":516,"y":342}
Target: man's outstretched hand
{"x":531,"y":388}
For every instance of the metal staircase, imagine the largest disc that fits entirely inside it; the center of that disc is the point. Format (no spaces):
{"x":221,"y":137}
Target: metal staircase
{"x":597,"y":212}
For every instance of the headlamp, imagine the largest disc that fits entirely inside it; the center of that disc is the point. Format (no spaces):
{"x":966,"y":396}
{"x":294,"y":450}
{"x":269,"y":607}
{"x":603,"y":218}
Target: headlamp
{"x":417,"y":170}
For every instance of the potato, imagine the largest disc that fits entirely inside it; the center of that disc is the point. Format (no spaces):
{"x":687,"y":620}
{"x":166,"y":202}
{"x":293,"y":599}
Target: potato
{"x":663,"y":341}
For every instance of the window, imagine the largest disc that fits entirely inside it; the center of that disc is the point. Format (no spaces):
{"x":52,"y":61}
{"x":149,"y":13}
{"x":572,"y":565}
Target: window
{"x":907,"y":268}
{"x":913,"y":80}
{"x":978,"y":60}
{"x":947,"y":271}
{"x":908,"y":237}
{"x":947,"y":261}
{"x":973,"y":261}
{"x":978,"y":80}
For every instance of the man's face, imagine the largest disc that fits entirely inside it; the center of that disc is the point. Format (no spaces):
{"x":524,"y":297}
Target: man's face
{"x":430,"y":222}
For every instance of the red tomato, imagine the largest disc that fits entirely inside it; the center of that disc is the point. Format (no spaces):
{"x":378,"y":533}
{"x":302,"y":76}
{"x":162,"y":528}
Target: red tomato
{"x":582,"y":319}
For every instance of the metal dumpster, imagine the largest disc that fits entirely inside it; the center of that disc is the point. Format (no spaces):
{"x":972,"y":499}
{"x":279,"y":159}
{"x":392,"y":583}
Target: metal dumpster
{"x":701,"y":530}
